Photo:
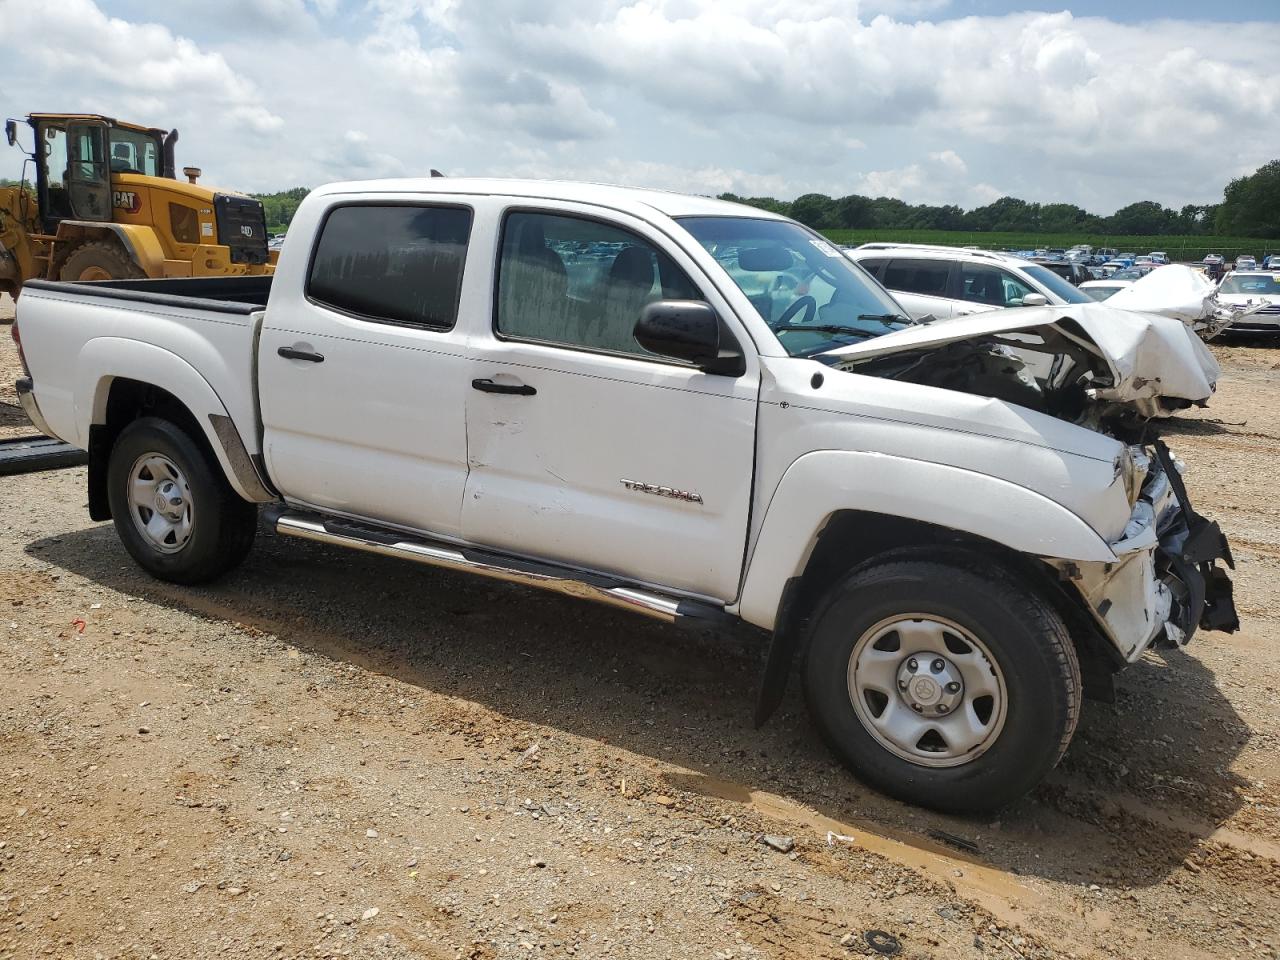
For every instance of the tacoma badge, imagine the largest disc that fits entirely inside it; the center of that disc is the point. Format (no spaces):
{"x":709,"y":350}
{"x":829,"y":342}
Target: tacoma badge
{"x":671,"y":492}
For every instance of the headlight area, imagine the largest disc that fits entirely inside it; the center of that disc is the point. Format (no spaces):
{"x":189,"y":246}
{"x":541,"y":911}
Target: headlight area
{"x":1165,"y":582}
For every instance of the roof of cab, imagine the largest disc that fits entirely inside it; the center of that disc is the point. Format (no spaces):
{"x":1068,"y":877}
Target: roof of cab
{"x":599,"y":194}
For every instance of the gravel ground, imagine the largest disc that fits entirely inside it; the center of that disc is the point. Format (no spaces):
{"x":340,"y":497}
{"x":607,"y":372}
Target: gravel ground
{"x":333,"y":754}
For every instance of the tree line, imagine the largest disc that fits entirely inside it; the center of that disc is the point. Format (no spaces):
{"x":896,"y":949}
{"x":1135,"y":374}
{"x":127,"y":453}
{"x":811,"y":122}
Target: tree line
{"x":1250,"y":207}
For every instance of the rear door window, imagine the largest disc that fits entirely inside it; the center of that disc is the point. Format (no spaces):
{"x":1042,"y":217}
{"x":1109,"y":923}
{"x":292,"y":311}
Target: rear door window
{"x":392,"y":263}
{"x":928,"y":277}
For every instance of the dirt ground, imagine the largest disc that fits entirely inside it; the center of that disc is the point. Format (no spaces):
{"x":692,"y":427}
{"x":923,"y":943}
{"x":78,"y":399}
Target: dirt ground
{"x":333,"y":754}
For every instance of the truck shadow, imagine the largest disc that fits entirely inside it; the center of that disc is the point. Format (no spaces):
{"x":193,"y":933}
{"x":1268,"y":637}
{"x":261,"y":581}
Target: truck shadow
{"x":1145,"y":782}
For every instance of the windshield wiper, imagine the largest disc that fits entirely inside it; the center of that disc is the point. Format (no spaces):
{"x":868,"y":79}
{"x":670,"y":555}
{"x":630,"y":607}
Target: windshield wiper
{"x":820,"y":328}
{"x":885,"y":318}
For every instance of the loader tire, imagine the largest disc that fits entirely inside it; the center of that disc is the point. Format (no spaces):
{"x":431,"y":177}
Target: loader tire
{"x":99,"y":260}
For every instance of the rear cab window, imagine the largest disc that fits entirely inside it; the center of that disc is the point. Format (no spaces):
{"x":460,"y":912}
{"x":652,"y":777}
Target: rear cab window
{"x":392,"y":263}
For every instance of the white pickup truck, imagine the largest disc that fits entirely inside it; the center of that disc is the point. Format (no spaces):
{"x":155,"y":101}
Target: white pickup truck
{"x":678,"y":406}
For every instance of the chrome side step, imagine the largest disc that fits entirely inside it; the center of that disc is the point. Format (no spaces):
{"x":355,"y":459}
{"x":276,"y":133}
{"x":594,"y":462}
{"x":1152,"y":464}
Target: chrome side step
{"x":391,"y":543}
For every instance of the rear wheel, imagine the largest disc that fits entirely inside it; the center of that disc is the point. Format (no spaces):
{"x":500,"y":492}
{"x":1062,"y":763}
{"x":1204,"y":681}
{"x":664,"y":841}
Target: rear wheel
{"x":173,"y":509}
{"x":99,"y":260}
{"x":952,"y":688}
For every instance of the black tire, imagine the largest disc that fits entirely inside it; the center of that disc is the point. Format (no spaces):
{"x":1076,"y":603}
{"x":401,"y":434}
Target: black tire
{"x":90,"y":260}
{"x":1027,"y":641}
{"x":222,"y":525}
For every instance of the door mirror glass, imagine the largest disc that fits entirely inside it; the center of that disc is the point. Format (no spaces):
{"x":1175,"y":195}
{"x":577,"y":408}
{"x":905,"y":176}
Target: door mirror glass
{"x":1034,"y":300}
{"x":11,"y":132}
{"x":687,"y":330}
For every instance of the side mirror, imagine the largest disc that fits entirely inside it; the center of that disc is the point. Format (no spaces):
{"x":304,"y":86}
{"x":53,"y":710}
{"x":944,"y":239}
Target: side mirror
{"x":1034,"y":300}
{"x":687,"y":330}
{"x":11,"y":132}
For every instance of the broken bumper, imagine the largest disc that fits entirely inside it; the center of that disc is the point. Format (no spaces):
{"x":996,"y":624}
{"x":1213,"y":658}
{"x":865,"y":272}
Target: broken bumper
{"x":1165,"y":582}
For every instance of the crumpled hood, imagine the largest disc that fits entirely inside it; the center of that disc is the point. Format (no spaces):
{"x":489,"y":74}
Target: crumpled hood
{"x":1149,"y":359}
{"x":1185,"y":294}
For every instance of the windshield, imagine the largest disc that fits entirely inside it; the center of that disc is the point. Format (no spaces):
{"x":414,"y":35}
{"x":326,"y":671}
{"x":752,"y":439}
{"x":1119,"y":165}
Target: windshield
{"x":1267,"y":284}
{"x":1051,"y":281}
{"x":809,"y":293}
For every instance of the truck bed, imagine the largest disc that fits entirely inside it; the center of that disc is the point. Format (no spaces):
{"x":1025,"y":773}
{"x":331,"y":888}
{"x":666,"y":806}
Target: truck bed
{"x":223,"y":294}
{"x":79,"y":337}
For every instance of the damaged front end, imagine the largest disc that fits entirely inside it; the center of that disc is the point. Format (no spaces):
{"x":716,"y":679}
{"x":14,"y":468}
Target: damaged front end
{"x":1112,"y":372}
{"x":1165,"y":582}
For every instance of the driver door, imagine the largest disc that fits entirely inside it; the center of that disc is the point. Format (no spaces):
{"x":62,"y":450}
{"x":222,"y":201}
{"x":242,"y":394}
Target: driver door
{"x":88,"y":179}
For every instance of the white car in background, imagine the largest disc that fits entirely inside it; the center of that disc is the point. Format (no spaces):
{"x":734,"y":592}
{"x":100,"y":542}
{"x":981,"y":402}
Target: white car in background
{"x":1102,"y":289}
{"x":947,"y":282}
{"x":1246,"y":263}
{"x":1251,"y":287}
{"x":1159,"y":257}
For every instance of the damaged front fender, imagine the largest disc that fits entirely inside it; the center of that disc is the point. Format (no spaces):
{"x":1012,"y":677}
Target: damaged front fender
{"x":1165,"y":582}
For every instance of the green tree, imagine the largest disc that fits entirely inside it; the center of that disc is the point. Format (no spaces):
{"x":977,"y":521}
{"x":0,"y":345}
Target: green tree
{"x":815,"y":210}
{"x":1251,"y":205}
{"x":1144,"y":218}
{"x":854,"y":211}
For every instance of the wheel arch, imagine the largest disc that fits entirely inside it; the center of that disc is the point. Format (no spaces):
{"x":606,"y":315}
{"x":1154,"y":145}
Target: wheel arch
{"x":813,"y":534}
{"x":139,"y":243}
{"x":128,"y":380}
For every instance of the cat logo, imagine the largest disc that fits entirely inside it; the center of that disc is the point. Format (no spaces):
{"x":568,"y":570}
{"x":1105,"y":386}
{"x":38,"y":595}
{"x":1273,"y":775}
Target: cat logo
{"x":126,"y":200}
{"x":246,"y":230}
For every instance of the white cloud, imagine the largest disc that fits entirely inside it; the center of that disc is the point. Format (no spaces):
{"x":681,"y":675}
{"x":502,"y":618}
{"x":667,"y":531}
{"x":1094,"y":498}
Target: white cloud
{"x":759,"y":96}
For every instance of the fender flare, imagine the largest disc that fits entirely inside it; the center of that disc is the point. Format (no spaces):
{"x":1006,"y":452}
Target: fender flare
{"x":818,"y":485}
{"x":139,"y":241}
{"x":105,"y":359}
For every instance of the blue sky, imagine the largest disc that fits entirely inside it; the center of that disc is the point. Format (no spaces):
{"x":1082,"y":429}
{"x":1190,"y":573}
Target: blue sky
{"x":1121,"y":12}
{"x":938,"y":101}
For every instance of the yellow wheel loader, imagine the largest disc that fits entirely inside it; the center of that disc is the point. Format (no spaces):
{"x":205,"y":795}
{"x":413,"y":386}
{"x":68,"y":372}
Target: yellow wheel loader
{"x":107,"y":205}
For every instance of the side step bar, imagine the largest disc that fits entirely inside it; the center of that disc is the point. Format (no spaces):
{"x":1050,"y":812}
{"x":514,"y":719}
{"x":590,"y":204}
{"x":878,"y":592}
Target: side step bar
{"x":36,"y":453}
{"x":586,"y":586}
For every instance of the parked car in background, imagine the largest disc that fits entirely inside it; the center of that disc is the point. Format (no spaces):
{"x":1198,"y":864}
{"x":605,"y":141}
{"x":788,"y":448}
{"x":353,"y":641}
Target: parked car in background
{"x":1246,"y":263}
{"x":946,"y":282}
{"x":1212,"y":258}
{"x":1102,"y":289}
{"x":1131,"y":273}
{"x":1111,"y":266}
{"x":951,"y":535}
{"x":1160,"y":257}
{"x":1107,"y":253}
{"x":1239,"y":287}
{"x":1271,"y":262}
{"x":1143,"y":262}
{"x":1069,"y":270}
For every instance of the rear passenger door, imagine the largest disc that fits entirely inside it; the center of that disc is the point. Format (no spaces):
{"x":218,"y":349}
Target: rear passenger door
{"x":362,"y":381}
{"x":921,"y":286}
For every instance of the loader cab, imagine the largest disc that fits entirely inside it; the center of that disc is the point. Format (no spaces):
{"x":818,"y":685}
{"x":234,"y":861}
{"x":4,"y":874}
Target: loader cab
{"x":75,"y":157}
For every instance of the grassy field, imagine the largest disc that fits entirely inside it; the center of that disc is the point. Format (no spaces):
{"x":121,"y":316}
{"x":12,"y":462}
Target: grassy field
{"x":1183,"y":248}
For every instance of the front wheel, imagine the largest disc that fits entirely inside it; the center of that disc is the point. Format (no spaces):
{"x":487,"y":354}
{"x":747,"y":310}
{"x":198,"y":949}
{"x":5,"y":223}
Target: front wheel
{"x":173,"y":509}
{"x":948,"y":687}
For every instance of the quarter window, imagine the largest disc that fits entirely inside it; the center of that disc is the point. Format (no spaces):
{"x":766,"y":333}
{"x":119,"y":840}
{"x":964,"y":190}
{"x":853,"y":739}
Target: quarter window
{"x":580,"y":283}
{"x":928,"y":277}
{"x":392,"y":263}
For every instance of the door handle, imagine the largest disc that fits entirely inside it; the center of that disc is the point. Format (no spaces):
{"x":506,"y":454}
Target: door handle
{"x":291,"y":353}
{"x":518,"y":389}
